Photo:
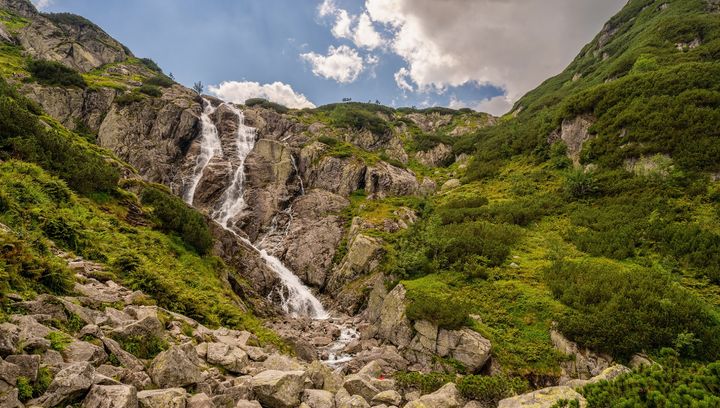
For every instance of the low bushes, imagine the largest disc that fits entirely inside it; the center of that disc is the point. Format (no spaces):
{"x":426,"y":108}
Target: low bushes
{"x":356,"y":118}
{"x":264,"y":103}
{"x":55,"y":74}
{"x":24,"y":268}
{"x":171,"y":214}
{"x":488,"y":390}
{"x":23,"y":136}
{"x":444,"y":311}
{"x":622,"y":311}
{"x":468,"y":248}
{"x":150,"y":90}
{"x":149,"y":63}
{"x":669,"y":386}
{"x":160,"y":80}
{"x":129,"y":98}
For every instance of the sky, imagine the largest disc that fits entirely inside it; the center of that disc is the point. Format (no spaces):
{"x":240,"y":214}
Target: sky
{"x":481,"y":54}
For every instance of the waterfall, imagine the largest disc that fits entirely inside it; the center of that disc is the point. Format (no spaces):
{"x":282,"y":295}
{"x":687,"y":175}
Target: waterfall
{"x":296,"y":298}
{"x":210,"y":147}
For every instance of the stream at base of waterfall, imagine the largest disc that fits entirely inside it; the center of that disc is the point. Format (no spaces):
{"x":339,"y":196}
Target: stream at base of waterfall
{"x":296,"y":299}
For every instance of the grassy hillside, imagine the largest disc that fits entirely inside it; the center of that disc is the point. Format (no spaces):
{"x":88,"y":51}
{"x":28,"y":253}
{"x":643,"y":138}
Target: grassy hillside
{"x":59,"y":190}
{"x":622,"y":259}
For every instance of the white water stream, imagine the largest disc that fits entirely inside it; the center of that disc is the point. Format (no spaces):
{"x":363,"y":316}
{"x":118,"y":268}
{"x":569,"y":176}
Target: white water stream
{"x":296,"y":298}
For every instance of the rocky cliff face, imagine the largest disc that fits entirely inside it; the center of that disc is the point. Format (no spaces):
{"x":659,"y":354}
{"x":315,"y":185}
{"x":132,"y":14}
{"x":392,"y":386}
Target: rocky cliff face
{"x":70,"y":39}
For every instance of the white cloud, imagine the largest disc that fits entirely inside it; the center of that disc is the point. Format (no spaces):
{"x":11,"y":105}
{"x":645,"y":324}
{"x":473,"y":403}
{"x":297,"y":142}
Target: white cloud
{"x":512,"y":44}
{"x":401,"y":80}
{"x":343,"y":25}
{"x":342,"y":64}
{"x":365,"y":34}
{"x":497,"y":106}
{"x":278,"y":92}
{"x":43,"y":4}
{"x":359,"y":29}
{"x":326,"y":8}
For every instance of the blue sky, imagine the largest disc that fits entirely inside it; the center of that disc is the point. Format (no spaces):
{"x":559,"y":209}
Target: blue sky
{"x":408,"y":52}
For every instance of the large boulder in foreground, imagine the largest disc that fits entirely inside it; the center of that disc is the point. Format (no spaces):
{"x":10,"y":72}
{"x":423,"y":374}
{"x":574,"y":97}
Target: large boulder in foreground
{"x":544,"y":398}
{"x":166,"y":398}
{"x":446,"y":397}
{"x":393,"y":324}
{"x":111,"y":396}
{"x":279,"y":389}
{"x":177,"y":367}
{"x":69,"y":384}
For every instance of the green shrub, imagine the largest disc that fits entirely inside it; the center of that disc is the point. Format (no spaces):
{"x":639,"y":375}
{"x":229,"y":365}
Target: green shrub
{"x":611,"y":230}
{"x":149,"y":63}
{"x":466,"y":202}
{"x":60,"y":230}
{"x":25,"y":389}
{"x":442,"y":310}
{"x":44,"y":378}
{"x":425,"y":142}
{"x":425,"y":383}
{"x":469,"y":247}
{"x":691,"y":245}
{"x":71,"y":19}
{"x":146,"y":347}
{"x":171,"y":214}
{"x":452,"y":244}
{"x":83,"y":169}
{"x":330,"y":141}
{"x":669,"y":386}
{"x":150,"y":90}
{"x":55,"y":74}
{"x":264,"y":103}
{"x":160,"y":80}
{"x":59,"y":340}
{"x":522,"y":211}
{"x":23,"y":267}
{"x":581,"y":184}
{"x":357,"y":118}
{"x":23,"y":136}
{"x":129,"y":98}
{"x":558,"y":156}
{"x":128,"y":262}
{"x":622,"y":311}
{"x":489,"y":390}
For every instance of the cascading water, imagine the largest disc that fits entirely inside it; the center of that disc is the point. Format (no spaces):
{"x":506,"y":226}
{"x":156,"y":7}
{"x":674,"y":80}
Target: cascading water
{"x":210,"y":147}
{"x":296,"y":298}
{"x":232,"y":200}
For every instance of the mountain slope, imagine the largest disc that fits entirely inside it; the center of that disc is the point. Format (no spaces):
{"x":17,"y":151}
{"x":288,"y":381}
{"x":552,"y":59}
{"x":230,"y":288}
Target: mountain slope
{"x":595,"y":204}
{"x":543,"y":248}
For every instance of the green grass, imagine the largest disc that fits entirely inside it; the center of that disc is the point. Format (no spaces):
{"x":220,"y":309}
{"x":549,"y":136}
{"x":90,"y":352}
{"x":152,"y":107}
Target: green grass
{"x":143,"y":347}
{"x":672,"y":385}
{"x":13,"y":23}
{"x":59,"y":340}
{"x":12,"y":60}
{"x":515,"y":306}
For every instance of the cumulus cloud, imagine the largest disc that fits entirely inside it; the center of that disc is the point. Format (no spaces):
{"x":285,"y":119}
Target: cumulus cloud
{"x":359,"y":29}
{"x":497,"y":106}
{"x":342,"y":64}
{"x":326,"y":8}
{"x":512,"y":44}
{"x":43,"y":4}
{"x":278,"y":92}
{"x":343,"y":25}
{"x":401,"y":79}
{"x":365,"y":34}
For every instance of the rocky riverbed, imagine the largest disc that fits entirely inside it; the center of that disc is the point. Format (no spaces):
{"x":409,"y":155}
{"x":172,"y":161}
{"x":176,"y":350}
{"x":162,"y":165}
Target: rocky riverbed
{"x":106,"y":347}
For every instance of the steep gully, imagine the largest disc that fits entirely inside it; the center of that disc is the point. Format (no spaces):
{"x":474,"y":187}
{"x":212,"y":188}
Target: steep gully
{"x":296,"y":299}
